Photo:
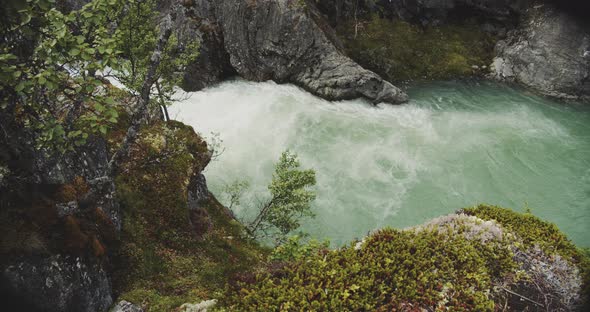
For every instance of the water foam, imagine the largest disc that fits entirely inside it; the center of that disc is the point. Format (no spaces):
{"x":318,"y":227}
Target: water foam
{"x":454,"y":145}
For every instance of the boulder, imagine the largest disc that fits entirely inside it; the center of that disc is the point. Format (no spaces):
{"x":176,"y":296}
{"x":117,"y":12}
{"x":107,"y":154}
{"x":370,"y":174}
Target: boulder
{"x":549,"y":52}
{"x":57,"y":283}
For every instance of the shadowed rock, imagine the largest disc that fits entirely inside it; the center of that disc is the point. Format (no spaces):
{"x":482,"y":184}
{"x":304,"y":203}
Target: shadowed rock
{"x":279,"y":40}
{"x":550,"y":52}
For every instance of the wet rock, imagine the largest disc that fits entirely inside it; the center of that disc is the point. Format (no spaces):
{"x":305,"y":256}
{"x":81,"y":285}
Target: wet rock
{"x":196,"y":21}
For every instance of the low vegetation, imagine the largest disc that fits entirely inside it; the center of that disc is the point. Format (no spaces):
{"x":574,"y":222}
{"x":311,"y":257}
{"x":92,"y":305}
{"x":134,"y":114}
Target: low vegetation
{"x":401,"y":51}
{"x":163,"y":261}
{"x":459,"y":263}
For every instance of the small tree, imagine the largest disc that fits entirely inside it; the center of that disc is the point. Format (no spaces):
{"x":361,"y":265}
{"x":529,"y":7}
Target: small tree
{"x":54,"y":65}
{"x":234,"y":192}
{"x":290,"y":200}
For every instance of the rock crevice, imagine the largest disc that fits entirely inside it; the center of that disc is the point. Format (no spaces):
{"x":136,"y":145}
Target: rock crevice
{"x":279,"y":40}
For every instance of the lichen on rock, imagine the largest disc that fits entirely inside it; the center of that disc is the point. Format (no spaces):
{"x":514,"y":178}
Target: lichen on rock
{"x":479,"y":259}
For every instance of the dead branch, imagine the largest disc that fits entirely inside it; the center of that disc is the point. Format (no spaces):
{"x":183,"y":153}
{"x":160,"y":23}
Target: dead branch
{"x":523,"y":297}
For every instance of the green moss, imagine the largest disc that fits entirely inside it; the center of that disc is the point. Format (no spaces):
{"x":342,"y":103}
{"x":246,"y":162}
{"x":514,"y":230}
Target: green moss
{"x":454,"y":263}
{"x":394,"y":270}
{"x":534,"y":231}
{"x":162,"y":262}
{"x":400,"y":51}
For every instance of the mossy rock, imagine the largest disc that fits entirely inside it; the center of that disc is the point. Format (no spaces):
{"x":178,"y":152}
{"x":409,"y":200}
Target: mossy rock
{"x":161,"y":262}
{"x":400,"y":51}
{"x":459,"y":262}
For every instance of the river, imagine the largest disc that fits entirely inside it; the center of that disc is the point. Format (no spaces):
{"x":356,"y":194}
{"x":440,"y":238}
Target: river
{"x":455,"y":144}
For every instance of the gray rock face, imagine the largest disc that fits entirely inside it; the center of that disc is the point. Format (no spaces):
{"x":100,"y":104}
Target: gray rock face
{"x":57,"y":283}
{"x":198,"y":194}
{"x":37,"y":274}
{"x":126,"y":306}
{"x":549,"y":53}
{"x":197,"y":22}
{"x":279,"y":40}
{"x":90,"y":162}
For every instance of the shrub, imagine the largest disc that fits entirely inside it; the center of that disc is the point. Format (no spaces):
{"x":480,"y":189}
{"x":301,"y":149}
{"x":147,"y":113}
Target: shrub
{"x":457,"y":262}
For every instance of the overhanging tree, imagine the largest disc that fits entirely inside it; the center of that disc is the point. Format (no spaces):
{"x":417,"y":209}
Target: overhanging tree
{"x":53,"y":67}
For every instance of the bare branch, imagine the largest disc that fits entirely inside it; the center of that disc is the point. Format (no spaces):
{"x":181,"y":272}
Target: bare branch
{"x":521,"y":296}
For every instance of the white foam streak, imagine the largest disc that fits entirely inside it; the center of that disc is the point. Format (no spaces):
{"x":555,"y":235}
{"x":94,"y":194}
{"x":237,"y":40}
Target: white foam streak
{"x":385,"y":165}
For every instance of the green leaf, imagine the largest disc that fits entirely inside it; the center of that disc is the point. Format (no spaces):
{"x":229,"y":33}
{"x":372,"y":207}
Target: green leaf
{"x":26,"y":18}
{"x":109,"y":101}
{"x":20,"y":86}
{"x":51,"y":85}
{"x":74,"y":52}
{"x":103,"y":129}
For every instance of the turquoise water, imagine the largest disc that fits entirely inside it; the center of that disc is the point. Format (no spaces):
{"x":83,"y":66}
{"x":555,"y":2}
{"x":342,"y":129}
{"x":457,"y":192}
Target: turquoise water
{"x":454,"y":145}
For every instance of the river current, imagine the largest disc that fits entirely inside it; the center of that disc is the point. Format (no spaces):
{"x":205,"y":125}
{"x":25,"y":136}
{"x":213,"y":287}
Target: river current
{"x":454,"y":145}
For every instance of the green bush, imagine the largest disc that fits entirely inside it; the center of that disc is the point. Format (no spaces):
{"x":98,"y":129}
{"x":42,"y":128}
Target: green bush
{"x":454,"y":263}
{"x":392,"y":270}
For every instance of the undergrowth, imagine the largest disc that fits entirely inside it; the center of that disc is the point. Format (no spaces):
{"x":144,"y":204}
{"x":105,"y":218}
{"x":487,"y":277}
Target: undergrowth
{"x":457,"y":265}
{"x":162,"y":262}
{"x":400,"y":51}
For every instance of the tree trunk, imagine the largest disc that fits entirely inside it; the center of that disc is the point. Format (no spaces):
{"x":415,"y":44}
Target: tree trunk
{"x":141,"y":111}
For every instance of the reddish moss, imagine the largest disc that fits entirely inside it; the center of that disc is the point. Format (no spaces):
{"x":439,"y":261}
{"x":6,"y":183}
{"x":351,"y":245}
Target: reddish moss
{"x":72,"y":191}
{"x":66,"y":193}
{"x":97,"y":247}
{"x":75,"y":239}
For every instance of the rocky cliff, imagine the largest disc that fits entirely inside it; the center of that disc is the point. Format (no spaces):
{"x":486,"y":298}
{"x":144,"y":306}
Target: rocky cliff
{"x":279,"y":40}
{"x":540,"y":44}
{"x":67,"y":243}
{"x":57,"y":219}
{"x":549,"y":52}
